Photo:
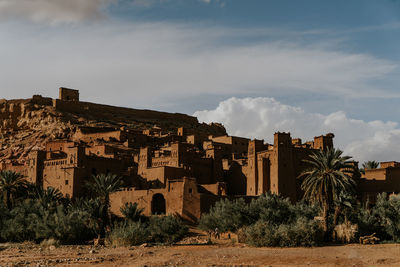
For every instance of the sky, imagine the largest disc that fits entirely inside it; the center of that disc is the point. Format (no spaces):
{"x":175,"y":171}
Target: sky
{"x":309,"y":67}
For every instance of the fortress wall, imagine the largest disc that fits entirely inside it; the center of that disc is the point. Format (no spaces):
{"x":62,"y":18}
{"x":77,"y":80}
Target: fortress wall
{"x":117,"y":113}
{"x":44,"y":101}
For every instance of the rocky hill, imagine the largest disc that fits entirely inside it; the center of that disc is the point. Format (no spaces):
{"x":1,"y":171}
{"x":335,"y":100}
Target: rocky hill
{"x":27,"y":124}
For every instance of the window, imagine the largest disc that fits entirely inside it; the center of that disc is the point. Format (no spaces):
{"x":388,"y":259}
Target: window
{"x":66,"y":182}
{"x":190,"y":190}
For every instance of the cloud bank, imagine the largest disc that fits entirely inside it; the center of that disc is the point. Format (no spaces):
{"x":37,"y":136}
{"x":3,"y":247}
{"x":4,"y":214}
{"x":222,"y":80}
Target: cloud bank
{"x":146,"y":63}
{"x":52,"y":11}
{"x":261,"y":117}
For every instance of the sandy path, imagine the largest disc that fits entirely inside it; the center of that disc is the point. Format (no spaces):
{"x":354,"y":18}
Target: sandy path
{"x":202,"y":255}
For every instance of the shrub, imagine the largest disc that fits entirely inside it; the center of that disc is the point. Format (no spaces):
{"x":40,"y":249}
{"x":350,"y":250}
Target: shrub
{"x":387,"y":210}
{"x":49,"y":242}
{"x":232,"y":215}
{"x":166,"y":229}
{"x":5,"y":214}
{"x":382,"y":219}
{"x":345,"y":232}
{"x":94,"y":208}
{"x":29,"y":220}
{"x":19,"y":226}
{"x":132,"y":212}
{"x":303,"y":232}
{"x":367,"y":222}
{"x":67,"y":227}
{"x":226,"y":215}
{"x":129,"y":233}
{"x":272,"y":209}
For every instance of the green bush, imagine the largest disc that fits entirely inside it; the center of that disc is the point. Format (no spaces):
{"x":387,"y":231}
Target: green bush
{"x":226,"y":215}
{"x":5,"y":214}
{"x":387,"y":211}
{"x":272,"y":209}
{"x":129,"y":233}
{"x":19,"y":225}
{"x":167,"y":229}
{"x":229,"y":215}
{"x":132,"y":212}
{"x":94,"y":208}
{"x":30,"y":220}
{"x":303,"y":232}
{"x":67,"y":227}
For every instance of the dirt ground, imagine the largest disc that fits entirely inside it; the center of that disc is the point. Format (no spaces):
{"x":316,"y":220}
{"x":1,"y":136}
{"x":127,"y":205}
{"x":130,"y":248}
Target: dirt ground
{"x":192,"y":252}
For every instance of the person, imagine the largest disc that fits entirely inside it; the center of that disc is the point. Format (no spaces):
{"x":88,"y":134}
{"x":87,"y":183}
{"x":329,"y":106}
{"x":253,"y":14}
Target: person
{"x":216,"y":233}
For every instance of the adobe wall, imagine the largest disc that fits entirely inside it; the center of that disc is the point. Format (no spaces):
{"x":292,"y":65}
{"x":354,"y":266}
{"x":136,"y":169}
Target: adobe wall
{"x":377,"y":181}
{"x":238,"y":145}
{"x":376,"y":174}
{"x":162,"y":174}
{"x":181,"y":197}
{"x":119,"y":113}
{"x":236,"y":179}
{"x":42,"y":101}
{"x":60,"y":145}
{"x":60,"y":175}
{"x":107,"y":136}
{"x":389,"y":164}
{"x":67,"y":94}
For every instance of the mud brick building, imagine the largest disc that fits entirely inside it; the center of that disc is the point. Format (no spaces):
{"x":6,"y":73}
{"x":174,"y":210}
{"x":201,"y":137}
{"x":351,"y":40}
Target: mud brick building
{"x":175,"y":170}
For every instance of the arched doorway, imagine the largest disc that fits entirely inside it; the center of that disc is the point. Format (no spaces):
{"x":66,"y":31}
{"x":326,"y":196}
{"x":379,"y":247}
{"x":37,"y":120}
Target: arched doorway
{"x":158,"y":204}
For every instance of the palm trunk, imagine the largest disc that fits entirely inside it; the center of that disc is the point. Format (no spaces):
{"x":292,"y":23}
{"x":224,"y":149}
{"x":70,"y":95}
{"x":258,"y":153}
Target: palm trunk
{"x":338,"y":210}
{"x":325,"y":217}
{"x":326,"y":227}
{"x":8,"y":199}
{"x":106,"y":216}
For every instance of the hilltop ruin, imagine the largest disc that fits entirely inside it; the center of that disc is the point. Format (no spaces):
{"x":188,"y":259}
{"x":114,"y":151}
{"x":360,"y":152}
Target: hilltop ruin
{"x":170,"y":163}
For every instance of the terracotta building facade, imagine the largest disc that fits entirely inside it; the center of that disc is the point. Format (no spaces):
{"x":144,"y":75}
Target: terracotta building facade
{"x":180,"y":172}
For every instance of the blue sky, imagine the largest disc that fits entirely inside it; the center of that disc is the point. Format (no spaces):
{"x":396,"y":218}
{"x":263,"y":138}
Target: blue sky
{"x":316,"y":58}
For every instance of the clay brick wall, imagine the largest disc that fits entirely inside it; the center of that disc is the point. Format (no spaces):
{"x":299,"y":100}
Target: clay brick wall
{"x":39,"y":100}
{"x":390,"y":164}
{"x":67,"y":94}
{"x":180,"y":196}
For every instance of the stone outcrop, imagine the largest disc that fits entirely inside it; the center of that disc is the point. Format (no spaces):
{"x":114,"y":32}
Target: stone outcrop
{"x":28,"y":124}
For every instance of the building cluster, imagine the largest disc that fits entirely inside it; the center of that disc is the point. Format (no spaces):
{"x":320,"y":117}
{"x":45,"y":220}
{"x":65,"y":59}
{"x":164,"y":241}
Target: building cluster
{"x":181,"y":172}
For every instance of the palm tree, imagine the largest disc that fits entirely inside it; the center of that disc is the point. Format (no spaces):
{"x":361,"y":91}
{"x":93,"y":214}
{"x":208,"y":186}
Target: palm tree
{"x":368,"y":165}
{"x":10,"y":184}
{"x":49,"y":197}
{"x":102,"y":186}
{"x":131,"y":211}
{"x":94,"y":208}
{"x":328,"y":175}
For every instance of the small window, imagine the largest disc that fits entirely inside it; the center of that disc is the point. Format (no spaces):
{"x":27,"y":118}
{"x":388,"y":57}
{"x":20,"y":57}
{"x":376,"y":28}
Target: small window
{"x":66,"y":182}
{"x":190,"y":190}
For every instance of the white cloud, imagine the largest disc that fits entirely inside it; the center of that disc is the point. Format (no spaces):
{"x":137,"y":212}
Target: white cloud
{"x":52,"y":11}
{"x":262,"y":117}
{"x":138,"y":63}
{"x":220,"y":2}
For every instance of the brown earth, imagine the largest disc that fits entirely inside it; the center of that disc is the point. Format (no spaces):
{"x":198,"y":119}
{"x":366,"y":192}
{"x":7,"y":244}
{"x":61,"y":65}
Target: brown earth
{"x":223,"y":253}
{"x":28,"y":124}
